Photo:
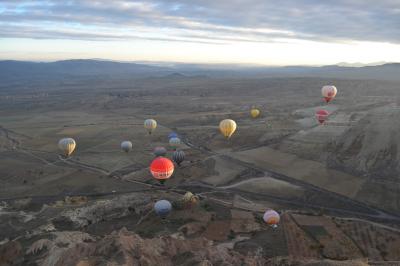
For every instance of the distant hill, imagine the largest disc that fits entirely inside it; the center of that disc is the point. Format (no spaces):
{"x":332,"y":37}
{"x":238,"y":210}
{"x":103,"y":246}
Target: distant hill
{"x":75,"y":68}
{"x":390,"y":71}
{"x":22,"y":70}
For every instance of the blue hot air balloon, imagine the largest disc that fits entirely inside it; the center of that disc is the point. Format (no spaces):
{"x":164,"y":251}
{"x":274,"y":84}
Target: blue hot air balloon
{"x":172,"y":135}
{"x":162,"y":208}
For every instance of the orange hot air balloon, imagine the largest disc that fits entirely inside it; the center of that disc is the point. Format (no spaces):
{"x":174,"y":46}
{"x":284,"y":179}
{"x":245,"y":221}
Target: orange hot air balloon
{"x":321,"y":116}
{"x":161,"y":168}
{"x":328,"y":92}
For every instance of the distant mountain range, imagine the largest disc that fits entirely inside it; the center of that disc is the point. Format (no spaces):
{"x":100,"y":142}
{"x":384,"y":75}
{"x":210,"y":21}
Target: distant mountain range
{"x":76,"y":67}
{"x":11,"y":70}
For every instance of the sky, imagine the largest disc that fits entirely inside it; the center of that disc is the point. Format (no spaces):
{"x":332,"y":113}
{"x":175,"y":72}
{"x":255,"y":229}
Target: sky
{"x":261,"y":32}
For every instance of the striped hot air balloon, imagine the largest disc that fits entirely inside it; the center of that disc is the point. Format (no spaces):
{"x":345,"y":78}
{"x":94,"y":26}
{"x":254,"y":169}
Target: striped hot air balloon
{"x":174,"y":143}
{"x":178,"y":156}
{"x":271,"y":217}
{"x":67,"y":146}
{"x":150,"y":125}
{"x":162,"y":169}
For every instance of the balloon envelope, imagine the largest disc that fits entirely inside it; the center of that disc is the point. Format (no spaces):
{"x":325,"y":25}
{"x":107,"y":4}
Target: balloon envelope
{"x":254,"y":113}
{"x":126,"y":146}
{"x":227,"y":127}
{"x":271,"y":217}
{"x":174,"y":142}
{"x":172,"y":135}
{"x":178,"y":157}
{"x":189,"y":199}
{"x":67,"y":146}
{"x":160,"y":151}
{"x":321,"y":116}
{"x":150,"y":125}
{"x":161,"y":168}
{"x":328,"y":92}
{"x":162,"y":208}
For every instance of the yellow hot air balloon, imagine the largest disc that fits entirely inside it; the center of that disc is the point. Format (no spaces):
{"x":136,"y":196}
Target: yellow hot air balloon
{"x":254,"y":112}
{"x":150,"y":125}
{"x":189,"y":200}
{"x":67,"y":146}
{"x":227,"y":127}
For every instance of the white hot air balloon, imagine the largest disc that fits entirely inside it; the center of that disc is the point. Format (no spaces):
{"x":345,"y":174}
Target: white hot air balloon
{"x":328,"y":92}
{"x":126,"y":146}
{"x":67,"y":146}
{"x":271,"y":218}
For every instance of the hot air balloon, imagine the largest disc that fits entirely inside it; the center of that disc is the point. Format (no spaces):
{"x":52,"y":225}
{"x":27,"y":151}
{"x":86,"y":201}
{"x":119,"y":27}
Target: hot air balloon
{"x":162,"y":208}
{"x":161,"y":168}
{"x":227,"y":127}
{"x":160,"y":151}
{"x":67,"y":146}
{"x":271,"y":217}
{"x":126,"y":146}
{"x":174,"y":143}
{"x":150,"y":125}
{"x":178,"y":157}
{"x":254,"y":112}
{"x":172,"y":135}
{"x":189,"y":200}
{"x":328,"y":92}
{"x":321,"y":116}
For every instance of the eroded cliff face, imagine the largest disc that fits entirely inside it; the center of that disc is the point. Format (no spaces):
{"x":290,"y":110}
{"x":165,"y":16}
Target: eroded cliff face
{"x":370,"y":147}
{"x":127,"y":248}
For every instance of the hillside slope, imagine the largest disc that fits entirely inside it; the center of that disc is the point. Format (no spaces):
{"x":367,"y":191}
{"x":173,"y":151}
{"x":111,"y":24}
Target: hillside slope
{"x":371,"y":146}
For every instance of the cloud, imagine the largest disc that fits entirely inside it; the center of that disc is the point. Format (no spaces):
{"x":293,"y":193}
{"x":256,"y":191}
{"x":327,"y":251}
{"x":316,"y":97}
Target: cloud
{"x":203,"y":21}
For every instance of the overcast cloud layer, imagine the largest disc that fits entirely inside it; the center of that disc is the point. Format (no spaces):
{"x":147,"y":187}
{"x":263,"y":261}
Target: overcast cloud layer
{"x":203,"y":21}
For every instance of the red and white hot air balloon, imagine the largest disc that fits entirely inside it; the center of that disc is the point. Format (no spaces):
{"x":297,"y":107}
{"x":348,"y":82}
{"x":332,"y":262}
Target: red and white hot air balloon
{"x":162,"y":169}
{"x":321,"y":116}
{"x":272,"y":218}
{"x":328,"y":92}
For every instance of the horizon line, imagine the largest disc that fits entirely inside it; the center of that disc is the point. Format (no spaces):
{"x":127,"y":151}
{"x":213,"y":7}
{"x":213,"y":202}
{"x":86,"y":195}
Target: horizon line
{"x":172,"y":63}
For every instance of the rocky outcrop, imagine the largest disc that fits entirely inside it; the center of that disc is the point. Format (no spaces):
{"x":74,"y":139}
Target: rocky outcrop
{"x":290,"y":262}
{"x":127,"y":248}
{"x":10,"y":253}
{"x":104,"y":209}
